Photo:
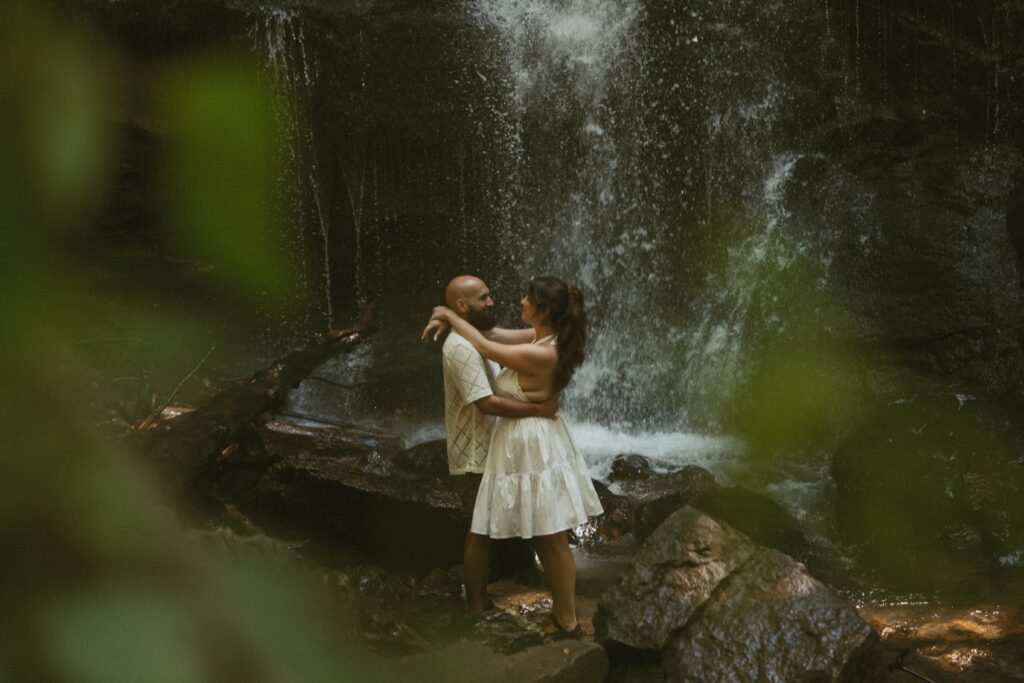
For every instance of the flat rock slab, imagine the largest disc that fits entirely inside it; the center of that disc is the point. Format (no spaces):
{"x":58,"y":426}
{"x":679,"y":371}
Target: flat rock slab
{"x":560,"y":662}
{"x":719,"y":607}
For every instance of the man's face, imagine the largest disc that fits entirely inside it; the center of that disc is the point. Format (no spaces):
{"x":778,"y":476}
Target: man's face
{"x":480,"y":308}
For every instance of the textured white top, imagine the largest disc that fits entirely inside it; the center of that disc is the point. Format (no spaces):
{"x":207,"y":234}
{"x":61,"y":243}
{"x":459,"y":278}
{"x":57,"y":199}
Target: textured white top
{"x":468,"y":377}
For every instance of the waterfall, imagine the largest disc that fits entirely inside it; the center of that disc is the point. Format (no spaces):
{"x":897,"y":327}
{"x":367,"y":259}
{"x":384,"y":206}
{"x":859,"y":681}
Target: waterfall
{"x":588,"y":192}
{"x":279,"y":38}
{"x":590,"y":161}
{"x":579,"y":205}
{"x":714,"y":361}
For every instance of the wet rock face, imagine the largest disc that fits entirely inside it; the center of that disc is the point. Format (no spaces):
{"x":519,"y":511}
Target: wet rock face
{"x":905,"y":121}
{"x":930,"y":489}
{"x":718,"y":607}
{"x":927,"y":266}
{"x":895,"y":178}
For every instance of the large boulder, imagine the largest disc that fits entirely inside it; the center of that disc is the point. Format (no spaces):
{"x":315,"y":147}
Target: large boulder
{"x":773,"y":622}
{"x":674,"y":573}
{"x":719,"y":607}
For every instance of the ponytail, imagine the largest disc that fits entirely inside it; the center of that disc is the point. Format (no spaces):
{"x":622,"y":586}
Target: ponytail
{"x":568,"y":318}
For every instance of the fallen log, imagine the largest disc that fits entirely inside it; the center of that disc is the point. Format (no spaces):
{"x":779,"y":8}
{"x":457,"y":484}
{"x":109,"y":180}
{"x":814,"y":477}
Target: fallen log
{"x":194,"y":441}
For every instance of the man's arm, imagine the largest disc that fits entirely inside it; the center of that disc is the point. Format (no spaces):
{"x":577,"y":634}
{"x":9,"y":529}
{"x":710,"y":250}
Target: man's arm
{"x":529,"y":358}
{"x":507,"y":407}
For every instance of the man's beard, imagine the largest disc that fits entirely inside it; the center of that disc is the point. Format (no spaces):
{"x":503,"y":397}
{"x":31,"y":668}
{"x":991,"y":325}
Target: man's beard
{"x":482,"y":319}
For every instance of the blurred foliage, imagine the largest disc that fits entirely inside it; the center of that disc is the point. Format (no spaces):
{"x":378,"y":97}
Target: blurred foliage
{"x":930,"y":492}
{"x":99,"y":582}
{"x":927,"y":481}
{"x":805,"y":379}
{"x":221,"y":172}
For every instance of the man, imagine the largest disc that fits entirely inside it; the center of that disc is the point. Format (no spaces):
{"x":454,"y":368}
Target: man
{"x":469,"y":411}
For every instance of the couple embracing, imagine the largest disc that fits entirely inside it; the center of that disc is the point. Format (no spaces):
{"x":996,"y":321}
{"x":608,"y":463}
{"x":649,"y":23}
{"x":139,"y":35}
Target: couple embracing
{"x":511,"y":456}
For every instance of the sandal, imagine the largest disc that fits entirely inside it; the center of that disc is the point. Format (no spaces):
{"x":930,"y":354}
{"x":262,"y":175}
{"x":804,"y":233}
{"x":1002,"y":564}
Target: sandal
{"x":561,"y":633}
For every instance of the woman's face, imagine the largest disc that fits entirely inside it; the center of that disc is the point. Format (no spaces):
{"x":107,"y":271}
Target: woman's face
{"x":529,"y":310}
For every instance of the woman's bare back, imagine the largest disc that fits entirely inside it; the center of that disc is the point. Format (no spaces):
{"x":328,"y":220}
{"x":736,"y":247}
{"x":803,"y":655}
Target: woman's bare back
{"x":539,"y":386}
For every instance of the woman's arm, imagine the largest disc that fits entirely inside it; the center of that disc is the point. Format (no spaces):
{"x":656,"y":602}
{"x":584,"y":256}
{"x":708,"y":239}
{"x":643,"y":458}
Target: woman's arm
{"x":501,"y":335}
{"x":528,"y":358}
{"x":504,"y":335}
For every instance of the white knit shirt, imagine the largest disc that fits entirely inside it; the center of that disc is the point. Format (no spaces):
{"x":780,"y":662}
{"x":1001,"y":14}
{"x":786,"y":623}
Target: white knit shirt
{"x":468,"y":377}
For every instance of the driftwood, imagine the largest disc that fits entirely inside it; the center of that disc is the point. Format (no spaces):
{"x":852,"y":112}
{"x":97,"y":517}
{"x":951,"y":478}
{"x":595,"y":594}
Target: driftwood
{"x":194,"y":441}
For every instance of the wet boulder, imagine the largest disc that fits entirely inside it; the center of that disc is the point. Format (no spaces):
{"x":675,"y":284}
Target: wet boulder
{"x":716,"y":606}
{"x":772,"y":621}
{"x":628,"y":466}
{"x":674,"y":573}
{"x":661,"y":495}
{"x":753,"y":513}
{"x":617,"y":520}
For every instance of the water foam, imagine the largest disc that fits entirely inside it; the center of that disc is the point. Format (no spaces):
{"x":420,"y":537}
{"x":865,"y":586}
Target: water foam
{"x":667,"y":451}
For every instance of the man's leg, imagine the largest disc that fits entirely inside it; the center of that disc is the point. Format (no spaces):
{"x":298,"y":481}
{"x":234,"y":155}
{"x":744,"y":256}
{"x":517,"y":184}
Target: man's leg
{"x":475,"y":562}
{"x":476,"y":552}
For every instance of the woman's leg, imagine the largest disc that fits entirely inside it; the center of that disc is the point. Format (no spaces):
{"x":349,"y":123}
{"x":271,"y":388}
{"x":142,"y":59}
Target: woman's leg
{"x":560,"y":574}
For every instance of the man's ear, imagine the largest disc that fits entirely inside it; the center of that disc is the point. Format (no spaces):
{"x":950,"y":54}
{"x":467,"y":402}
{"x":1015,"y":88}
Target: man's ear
{"x":460,"y":307}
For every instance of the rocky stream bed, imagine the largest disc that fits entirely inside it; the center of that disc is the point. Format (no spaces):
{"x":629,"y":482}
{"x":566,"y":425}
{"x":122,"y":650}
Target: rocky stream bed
{"x":682,"y":579}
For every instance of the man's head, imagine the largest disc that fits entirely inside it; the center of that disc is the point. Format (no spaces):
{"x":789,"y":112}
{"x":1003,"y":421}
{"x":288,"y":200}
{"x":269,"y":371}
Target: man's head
{"x":469,"y":297}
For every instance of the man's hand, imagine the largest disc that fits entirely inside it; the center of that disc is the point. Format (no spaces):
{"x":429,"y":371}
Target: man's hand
{"x":549,"y":407}
{"x":438,"y":327}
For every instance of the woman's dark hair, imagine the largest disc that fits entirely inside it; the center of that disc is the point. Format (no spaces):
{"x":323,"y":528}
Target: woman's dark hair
{"x":569,"y":320}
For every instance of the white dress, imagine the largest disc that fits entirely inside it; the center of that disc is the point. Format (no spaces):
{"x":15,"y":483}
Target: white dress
{"x":535,"y":481}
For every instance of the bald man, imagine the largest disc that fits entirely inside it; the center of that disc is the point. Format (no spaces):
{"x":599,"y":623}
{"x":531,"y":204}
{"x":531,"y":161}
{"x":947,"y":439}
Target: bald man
{"x":470,"y":410}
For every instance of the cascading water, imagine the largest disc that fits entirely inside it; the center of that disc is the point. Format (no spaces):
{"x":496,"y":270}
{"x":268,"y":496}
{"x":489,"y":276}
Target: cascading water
{"x":587,"y":201}
{"x":583,"y":207}
{"x":580,"y":203}
{"x":278,"y":36}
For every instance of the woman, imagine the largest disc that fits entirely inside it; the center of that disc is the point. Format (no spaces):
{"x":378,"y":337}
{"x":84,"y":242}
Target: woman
{"x":535,"y":484}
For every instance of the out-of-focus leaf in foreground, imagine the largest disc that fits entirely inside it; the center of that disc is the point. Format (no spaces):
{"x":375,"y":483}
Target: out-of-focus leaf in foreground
{"x":220,"y":177}
{"x":99,"y":582}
